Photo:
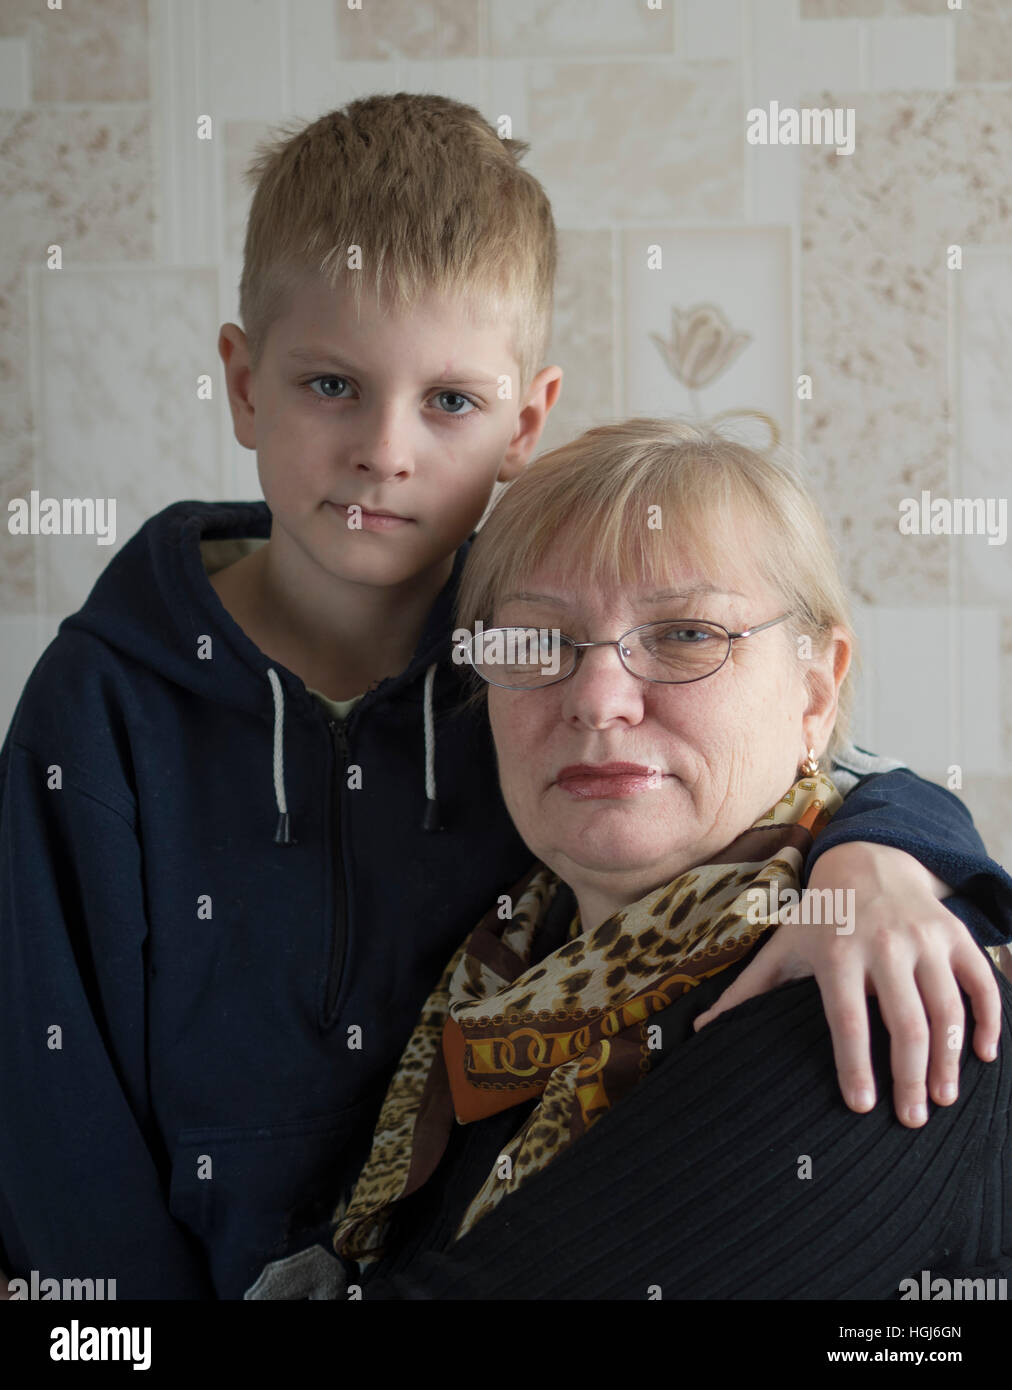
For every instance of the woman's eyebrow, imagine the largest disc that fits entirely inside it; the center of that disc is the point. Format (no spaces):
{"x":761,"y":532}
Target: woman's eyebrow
{"x":694,"y":591}
{"x":661,"y":595}
{"x":523,"y":596}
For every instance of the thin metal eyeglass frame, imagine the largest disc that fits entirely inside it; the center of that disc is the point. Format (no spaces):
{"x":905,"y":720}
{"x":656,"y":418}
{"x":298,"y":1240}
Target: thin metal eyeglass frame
{"x":617,"y":642}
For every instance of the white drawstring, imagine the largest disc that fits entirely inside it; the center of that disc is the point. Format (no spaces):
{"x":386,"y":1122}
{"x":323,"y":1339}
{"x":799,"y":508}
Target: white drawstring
{"x":430,"y":821}
{"x":282,"y":835}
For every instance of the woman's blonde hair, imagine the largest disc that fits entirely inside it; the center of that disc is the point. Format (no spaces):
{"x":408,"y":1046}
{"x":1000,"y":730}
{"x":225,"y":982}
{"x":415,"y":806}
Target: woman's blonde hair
{"x":432,"y":198}
{"x":630,"y":496}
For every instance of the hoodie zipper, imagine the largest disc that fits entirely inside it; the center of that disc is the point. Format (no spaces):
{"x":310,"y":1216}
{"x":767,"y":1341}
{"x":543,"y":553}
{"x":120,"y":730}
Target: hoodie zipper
{"x":339,"y":742}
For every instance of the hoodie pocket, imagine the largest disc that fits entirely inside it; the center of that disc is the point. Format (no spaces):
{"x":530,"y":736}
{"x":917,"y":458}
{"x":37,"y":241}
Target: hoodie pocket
{"x":247,"y":1193}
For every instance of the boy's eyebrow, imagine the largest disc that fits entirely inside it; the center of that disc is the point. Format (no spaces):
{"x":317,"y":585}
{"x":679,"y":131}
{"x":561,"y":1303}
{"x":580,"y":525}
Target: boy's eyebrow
{"x":325,"y":356}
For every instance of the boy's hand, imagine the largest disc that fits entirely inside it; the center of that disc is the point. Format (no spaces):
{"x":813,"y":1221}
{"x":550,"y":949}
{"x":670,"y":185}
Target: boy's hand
{"x":906,"y":949}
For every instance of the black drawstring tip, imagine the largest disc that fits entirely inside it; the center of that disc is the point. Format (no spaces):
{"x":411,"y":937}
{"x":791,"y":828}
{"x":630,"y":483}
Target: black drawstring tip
{"x":430,"y":821}
{"x":283,"y":833}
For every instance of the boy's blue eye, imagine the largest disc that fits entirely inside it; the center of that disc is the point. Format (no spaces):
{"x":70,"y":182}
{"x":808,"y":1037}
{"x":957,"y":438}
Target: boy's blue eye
{"x":327,"y":395}
{"x":457,"y":402}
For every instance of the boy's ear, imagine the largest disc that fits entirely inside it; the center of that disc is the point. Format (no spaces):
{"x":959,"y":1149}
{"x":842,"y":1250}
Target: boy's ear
{"x":542,"y":395}
{"x":234,"y":353}
{"x":825,"y":677}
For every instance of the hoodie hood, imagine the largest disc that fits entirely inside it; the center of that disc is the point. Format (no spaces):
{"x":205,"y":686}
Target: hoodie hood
{"x":155,"y":605}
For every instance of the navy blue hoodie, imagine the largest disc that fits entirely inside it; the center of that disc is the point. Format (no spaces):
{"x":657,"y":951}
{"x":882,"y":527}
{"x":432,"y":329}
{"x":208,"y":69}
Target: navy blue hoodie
{"x":197,"y":1022}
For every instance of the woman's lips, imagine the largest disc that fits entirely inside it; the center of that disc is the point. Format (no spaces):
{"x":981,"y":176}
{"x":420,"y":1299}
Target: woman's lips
{"x":371,"y":521}
{"x":607,"y":780}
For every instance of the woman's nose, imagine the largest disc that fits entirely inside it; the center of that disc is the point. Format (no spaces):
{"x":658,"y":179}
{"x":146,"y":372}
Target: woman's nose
{"x":601,"y":690}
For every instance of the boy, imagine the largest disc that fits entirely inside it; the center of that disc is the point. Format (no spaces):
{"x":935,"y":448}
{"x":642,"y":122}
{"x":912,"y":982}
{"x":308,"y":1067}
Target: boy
{"x":222,"y":898}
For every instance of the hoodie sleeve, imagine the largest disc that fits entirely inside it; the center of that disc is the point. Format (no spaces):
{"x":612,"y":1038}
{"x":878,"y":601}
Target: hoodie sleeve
{"x":903,"y":810}
{"x":81,"y":1194}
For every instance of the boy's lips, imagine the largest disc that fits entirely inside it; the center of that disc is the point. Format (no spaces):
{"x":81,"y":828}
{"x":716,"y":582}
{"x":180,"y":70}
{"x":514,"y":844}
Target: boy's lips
{"x":371,"y":520}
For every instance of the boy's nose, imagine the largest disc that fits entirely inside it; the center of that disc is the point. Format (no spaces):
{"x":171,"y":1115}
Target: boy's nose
{"x":384,"y":448}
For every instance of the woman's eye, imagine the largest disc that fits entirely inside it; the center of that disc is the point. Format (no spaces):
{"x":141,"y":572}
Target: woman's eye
{"x":455,"y":403}
{"x":328,"y":381}
{"x":682,"y":636}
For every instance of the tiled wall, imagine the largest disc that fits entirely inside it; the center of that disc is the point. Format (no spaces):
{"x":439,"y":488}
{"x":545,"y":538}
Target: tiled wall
{"x":835,"y":267}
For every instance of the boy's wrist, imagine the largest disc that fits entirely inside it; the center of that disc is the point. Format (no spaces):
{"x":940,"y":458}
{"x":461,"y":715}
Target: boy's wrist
{"x":861,"y":864}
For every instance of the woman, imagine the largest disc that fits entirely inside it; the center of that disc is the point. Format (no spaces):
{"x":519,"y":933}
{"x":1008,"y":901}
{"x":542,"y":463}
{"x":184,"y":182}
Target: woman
{"x":665,"y":645}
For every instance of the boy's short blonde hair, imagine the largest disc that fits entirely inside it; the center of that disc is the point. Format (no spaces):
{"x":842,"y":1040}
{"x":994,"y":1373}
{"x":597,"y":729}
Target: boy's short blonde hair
{"x":432,"y":196}
{"x":716,"y":500}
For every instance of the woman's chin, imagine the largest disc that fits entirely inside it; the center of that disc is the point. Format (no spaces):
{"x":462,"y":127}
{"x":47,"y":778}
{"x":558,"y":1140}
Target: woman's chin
{"x":614,"y":843}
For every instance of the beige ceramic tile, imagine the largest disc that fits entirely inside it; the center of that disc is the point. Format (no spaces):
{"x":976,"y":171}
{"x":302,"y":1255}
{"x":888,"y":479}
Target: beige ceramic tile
{"x":125,"y":422}
{"x":710,"y":328}
{"x":1006,"y":685}
{"x":841,"y":9}
{"x":17,"y":564}
{"x":582,"y":340}
{"x":984,"y":42}
{"x":928,"y":171}
{"x":17,"y":553}
{"x":406,"y":29}
{"x":928,"y":7}
{"x":81,"y":179}
{"x":15,"y":79}
{"x":83,"y":52}
{"x":637,"y":140}
{"x":578,"y":29}
{"x":989,"y":799}
{"x":909,"y":53}
{"x":241,"y":139}
{"x":983,"y":343}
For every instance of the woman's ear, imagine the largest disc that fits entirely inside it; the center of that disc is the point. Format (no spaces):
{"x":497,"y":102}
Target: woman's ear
{"x":827,"y":672}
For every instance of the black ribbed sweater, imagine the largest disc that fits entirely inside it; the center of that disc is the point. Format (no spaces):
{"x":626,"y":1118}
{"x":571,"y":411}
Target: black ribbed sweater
{"x":690,"y":1187}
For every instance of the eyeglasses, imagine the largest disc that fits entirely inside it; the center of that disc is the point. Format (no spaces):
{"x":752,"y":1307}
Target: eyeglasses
{"x":669,"y":652}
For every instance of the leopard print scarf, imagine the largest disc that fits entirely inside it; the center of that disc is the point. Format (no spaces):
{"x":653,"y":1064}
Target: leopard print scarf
{"x":572,"y":1028}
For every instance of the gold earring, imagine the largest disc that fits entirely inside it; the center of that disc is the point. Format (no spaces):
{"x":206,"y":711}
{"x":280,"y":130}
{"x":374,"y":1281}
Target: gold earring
{"x":810,"y":766}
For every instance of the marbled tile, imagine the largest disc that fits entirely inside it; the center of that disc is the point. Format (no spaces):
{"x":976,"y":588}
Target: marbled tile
{"x":80,"y":179}
{"x":929,"y":170}
{"x":984,"y":42}
{"x":637,"y":141}
{"x":984,"y":347}
{"x":84,"y":52}
{"x":582,"y":342}
{"x":125,"y":422}
{"x":239,"y":72}
{"x":988,"y":800}
{"x":932,"y":679}
{"x":578,"y":29}
{"x":730,"y":290}
{"x":406,"y":29}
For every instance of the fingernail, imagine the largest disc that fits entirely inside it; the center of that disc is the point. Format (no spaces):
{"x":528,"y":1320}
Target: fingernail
{"x":990,"y":1051}
{"x":948,"y":1091}
{"x":917,"y":1114}
{"x":864,"y":1100}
